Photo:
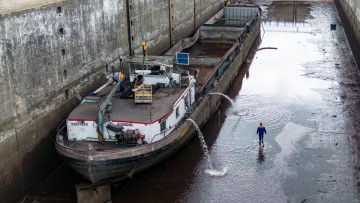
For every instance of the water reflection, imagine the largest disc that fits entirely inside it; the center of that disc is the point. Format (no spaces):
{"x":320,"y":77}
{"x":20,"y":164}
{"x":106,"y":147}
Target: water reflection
{"x":261,"y":156}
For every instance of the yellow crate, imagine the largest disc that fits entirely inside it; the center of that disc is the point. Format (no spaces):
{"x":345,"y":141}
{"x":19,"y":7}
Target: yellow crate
{"x":144,"y":95}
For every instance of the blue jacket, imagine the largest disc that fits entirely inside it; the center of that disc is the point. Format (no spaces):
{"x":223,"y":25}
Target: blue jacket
{"x":261,"y":130}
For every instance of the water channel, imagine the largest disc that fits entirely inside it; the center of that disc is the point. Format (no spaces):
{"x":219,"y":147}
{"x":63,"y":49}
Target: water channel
{"x":295,"y":91}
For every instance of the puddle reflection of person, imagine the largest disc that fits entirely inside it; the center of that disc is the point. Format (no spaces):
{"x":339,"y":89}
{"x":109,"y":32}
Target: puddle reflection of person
{"x":261,"y":156}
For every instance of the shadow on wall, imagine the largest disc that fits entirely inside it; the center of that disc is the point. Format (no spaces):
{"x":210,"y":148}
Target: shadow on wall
{"x":353,"y":41}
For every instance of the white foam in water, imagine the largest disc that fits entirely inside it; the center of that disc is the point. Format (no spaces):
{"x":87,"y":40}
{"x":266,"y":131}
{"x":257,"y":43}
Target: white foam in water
{"x":213,"y":172}
{"x":243,"y":112}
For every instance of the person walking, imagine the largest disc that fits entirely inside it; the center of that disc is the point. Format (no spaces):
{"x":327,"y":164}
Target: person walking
{"x":260,"y":131}
{"x":248,"y":29}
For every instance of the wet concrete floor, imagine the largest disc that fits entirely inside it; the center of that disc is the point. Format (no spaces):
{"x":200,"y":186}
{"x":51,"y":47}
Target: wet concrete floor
{"x":308,"y":96}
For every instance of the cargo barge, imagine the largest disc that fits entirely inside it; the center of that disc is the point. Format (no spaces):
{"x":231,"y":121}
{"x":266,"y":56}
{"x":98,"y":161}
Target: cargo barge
{"x":137,"y":120}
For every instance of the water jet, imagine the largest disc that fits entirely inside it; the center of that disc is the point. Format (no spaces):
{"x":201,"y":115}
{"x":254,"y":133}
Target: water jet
{"x":224,"y":95}
{"x":210,"y":170}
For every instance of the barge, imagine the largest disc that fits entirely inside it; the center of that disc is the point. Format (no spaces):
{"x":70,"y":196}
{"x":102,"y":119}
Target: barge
{"x":127,"y":125}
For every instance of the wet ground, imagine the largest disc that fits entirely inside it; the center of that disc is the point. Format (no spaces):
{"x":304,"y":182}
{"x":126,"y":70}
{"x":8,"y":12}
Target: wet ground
{"x":308,"y":96}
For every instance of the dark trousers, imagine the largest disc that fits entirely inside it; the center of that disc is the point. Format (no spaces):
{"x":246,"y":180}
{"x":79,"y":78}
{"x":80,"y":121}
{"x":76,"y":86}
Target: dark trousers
{"x":261,"y":137}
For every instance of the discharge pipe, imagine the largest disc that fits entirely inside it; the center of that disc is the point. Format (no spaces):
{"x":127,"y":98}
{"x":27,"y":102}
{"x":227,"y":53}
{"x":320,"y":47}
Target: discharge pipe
{"x":265,"y":48}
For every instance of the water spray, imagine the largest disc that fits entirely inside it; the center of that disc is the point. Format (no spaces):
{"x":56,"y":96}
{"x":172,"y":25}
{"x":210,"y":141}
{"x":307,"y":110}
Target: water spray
{"x":211,"y":171}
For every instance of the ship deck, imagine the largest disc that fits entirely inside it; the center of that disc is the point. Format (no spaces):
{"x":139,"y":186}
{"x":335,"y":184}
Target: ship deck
{"x":126,"y":110}
{"x":163,"y":99}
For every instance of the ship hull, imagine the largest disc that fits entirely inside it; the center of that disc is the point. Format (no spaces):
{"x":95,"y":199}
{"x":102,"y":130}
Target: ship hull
{"x":98,"y":169}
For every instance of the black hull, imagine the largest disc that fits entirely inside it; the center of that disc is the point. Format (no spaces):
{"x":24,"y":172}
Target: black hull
{"x":99,"y":171}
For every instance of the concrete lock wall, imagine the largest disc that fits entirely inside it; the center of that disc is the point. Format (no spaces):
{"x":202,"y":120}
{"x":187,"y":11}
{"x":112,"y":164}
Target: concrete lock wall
{"x":52,"y":49}
{"x":351,"y":9}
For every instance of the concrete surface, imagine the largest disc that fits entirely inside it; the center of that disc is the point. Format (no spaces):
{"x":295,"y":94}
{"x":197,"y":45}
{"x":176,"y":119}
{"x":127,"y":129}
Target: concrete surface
{"x":14,"y":6}
{"x":99,"y":194}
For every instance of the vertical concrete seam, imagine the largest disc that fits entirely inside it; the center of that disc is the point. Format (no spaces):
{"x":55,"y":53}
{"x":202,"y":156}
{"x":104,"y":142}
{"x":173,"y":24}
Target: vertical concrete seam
{"x":128,"y":20}
{"x":141,"y":11}
{"x":63,"y":74}
{"x":170,"y":24}
{"x":14,"y":119}
{"x":20,"y":164}
{"x":194,"y":14}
